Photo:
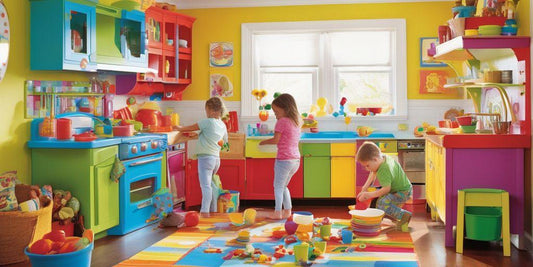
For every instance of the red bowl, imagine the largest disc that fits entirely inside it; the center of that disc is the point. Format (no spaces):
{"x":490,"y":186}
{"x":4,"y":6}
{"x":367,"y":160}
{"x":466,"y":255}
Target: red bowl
{"x":464,"y":120}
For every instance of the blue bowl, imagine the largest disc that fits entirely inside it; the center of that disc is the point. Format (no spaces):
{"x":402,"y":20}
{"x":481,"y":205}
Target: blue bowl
{"x":464,"y":11}
{"x":80,"y":258}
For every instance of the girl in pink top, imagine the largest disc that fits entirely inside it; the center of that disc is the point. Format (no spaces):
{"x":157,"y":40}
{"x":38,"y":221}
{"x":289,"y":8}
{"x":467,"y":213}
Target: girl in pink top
{"x":286,"y":136}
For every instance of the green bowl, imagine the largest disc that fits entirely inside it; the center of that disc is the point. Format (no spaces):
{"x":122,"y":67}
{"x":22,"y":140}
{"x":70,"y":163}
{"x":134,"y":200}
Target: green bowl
{"x":468,"y":128}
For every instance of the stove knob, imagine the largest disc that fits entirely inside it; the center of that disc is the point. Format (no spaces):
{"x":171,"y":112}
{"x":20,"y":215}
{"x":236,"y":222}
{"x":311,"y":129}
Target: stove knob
{"x":143,"y":147}
{"x":134,"y":150}
{"x":155,"y":144}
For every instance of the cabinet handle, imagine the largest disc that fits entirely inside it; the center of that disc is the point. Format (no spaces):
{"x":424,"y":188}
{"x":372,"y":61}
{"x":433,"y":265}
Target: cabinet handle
{"x":145,"y":161}
{"x":307,"y":155}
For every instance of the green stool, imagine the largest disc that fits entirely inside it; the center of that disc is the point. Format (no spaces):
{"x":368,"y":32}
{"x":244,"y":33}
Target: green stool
{"x":478,"y":198}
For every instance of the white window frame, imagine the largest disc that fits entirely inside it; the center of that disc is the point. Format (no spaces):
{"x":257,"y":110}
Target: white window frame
{"x":250,"y":72}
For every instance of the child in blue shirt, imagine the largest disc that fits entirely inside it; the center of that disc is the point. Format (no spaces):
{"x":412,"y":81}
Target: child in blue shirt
{"x":212,"y":131}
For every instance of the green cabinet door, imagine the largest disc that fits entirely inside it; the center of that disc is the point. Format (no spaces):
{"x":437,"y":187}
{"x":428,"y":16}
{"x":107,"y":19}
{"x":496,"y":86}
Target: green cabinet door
{"x":315,"y":150}
{"x":105,"y":212}
{"x":85,"y":173}
{"x":317,"y":171}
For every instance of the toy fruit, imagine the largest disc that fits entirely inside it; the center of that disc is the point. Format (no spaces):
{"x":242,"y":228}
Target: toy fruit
{"x":55,"y":236}
{"x":290,"y":226}
{"x":41,"y":246}
{"x":364,"y":131}
{"x":263,"y":115}
{"x":89,"y":234}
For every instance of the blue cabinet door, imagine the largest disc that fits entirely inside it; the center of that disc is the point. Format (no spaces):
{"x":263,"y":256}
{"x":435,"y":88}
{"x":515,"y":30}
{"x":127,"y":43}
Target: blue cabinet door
{"x":79,"y":37}
{"x":133,"y":38}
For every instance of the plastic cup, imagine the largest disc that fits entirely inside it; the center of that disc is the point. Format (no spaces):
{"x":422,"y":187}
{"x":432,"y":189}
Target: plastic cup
{"x":347,"y":236}
{"x":320,"y":245}
{"x":301,"y":252}
{"x":325,"y":231}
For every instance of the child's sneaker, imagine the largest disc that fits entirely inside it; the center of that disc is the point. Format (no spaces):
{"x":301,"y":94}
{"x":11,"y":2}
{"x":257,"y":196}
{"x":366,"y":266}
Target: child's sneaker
{"x":403,"y":223}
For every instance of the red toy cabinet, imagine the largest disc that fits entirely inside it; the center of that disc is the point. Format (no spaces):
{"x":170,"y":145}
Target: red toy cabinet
{"x":169,"y":57}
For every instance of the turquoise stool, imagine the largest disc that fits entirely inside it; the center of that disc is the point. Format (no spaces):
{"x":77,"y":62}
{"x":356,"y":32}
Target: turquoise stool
{"x":483,"y":197}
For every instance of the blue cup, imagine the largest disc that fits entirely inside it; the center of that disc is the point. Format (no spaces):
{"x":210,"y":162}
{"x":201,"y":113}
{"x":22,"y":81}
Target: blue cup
{"x":347,"y":236}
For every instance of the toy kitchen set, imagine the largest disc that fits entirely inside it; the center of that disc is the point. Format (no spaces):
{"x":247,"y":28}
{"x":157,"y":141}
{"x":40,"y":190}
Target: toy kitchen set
{"x":77,"y":145}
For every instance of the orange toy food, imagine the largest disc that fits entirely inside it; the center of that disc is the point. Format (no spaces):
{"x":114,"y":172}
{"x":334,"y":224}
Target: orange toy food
{"x":55,"y":236}
{"x":89,"y":234}
{"x":41,"y":246}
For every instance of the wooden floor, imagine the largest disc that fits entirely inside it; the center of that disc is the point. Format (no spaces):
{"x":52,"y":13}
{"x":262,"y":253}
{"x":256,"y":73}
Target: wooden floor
{"x":428,"y":238}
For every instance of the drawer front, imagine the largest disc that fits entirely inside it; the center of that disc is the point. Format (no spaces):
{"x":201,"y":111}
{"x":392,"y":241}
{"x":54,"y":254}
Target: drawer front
{"x":315,"y":150}
{"x":343,"y":149}
{"x":254,"y":150}
{"x":102,"y":154}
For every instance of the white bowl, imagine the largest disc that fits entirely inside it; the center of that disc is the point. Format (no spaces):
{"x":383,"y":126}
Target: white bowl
{"x":303,"y":219}
{"x":370,"y":213}
{"x":182,"y":43}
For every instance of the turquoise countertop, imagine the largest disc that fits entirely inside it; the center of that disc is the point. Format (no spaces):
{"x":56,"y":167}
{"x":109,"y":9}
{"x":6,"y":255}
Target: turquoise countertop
{"x":345,"y":136}
{"x":101,"y":142}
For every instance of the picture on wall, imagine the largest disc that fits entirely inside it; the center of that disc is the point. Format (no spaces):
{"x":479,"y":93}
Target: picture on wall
{"x":432,"y":81}
{"x":221,"y":54}
{"x":427,"y":51}
{"x":221,"y":82}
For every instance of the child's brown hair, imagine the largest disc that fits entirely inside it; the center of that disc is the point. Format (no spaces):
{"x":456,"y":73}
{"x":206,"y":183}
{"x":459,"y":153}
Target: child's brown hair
{"x":288,"y":104}
{"x":368,"y":151}
{"x":215,"y":104}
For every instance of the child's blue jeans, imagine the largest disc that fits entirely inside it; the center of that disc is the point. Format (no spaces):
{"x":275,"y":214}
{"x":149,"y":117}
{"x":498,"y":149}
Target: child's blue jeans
{"x":392,"y":203}
{"x":207,"y":167}
{"x":283,"y":172}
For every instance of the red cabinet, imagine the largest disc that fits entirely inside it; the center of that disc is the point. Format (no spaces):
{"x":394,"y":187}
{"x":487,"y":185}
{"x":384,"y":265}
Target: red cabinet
{"x":232,"y":175}
{"x":260,"y":179}
{"x":169,"y":37}
{"x":193,"y":193}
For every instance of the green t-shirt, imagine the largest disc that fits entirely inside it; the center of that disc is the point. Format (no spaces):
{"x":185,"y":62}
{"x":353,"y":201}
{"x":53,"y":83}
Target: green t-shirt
{"x":211,"y":131}
{"x":391,"y":173}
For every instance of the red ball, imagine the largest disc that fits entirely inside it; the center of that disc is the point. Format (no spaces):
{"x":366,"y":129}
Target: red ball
{"x":191,"y":218}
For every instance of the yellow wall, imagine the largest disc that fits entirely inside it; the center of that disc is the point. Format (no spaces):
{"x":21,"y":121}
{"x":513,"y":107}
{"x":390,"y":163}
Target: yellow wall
{"x":215,"y":25}
{"x":212,"y":25}
{"x":14,"y":129}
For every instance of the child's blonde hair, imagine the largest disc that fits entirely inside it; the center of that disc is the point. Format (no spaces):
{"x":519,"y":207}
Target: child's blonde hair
{"x":215,"y":104}
{"x":368,"y":151}
{"x":288,"y":104}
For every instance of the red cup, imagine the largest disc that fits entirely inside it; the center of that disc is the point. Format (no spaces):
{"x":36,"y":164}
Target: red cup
{"x":63,"y":129}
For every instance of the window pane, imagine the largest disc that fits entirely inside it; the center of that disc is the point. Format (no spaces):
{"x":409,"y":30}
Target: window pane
{"x":366,"y":89}
{"x":299,"y":85}
{"x":360,"y":48}
{"x":287,"y":49}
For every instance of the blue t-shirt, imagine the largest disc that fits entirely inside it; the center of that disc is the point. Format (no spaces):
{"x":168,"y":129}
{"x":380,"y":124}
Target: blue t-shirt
{"x":211,"y":131}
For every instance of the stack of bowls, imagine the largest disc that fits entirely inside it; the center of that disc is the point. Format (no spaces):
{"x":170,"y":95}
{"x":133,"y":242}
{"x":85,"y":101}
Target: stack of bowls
{"x":367,"y":222}
{"x":490,"y":30}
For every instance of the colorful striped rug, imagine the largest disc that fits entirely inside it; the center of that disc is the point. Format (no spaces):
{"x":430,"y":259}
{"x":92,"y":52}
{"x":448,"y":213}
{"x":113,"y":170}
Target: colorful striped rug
{"x":186,"y":247}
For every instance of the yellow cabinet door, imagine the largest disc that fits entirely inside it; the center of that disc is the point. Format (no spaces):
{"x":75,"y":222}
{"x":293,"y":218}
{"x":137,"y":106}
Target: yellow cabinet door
{"x":342,"y":177}
{"x":343,"y":149}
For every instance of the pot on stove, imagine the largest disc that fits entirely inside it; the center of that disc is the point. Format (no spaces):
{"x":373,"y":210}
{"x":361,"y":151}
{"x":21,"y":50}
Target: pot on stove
{"x":149,"y":117}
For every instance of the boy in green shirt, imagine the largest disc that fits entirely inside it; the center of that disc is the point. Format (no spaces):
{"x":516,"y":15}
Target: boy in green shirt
{"x":395,"y":190}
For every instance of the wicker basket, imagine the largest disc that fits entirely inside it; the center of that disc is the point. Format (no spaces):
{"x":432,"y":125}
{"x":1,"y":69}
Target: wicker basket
{"x":19,"y":229}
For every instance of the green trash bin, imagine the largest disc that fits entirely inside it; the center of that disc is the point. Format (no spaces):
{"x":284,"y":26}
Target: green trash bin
{"x":483,"y":223}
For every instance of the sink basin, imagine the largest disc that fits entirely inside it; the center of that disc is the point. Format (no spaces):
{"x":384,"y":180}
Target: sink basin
{"x":342,"y":135}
